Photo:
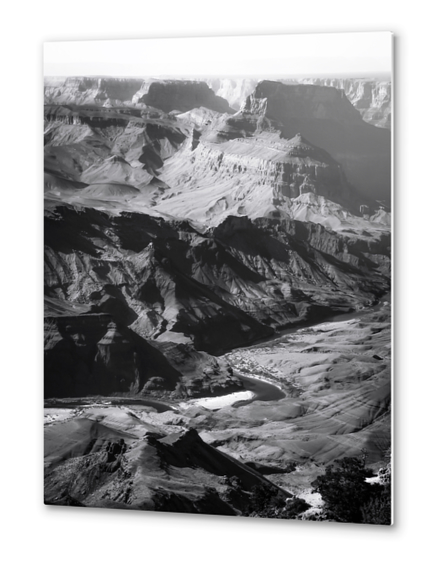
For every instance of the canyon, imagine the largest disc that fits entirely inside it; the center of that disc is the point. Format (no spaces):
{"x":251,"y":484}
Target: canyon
{"x":203,"y":238}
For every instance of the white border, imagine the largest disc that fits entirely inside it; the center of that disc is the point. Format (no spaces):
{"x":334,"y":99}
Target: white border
{"x":260,"y":56}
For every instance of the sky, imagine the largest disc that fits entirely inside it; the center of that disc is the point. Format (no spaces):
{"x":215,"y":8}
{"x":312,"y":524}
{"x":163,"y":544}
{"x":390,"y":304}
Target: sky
{"x":330,"y":54}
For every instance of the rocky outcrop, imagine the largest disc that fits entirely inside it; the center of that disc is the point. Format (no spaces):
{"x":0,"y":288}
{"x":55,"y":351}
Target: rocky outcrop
{"x":145,"y":469}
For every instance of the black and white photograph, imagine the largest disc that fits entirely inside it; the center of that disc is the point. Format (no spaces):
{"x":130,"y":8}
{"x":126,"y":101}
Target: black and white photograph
{"x":218,"y":246}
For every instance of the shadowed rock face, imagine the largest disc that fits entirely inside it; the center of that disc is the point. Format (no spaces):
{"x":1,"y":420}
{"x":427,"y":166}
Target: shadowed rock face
{"x":167,"y":95}
{"x":91,"y":355}
{"x":287,"y":147}
{"x":371,"y":97}
{"x":325,"y":117}
{"x":182,"y":96}
{"x":220,"y":289}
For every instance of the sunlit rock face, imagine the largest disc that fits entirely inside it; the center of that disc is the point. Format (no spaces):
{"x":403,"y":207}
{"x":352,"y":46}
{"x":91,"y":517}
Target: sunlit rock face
{"x":270,"y":158}
{"x":234,"y":90}
{"x":255,"y":177}
{"x":88,"y":90}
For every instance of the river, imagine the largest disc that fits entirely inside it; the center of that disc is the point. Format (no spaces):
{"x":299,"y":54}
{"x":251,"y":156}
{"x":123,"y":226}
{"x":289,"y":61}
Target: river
{"x":342,"y":317}
{"x":262,"y":390}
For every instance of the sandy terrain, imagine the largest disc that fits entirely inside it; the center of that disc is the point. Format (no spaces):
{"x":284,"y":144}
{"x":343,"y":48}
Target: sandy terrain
{"x":218,"y":401}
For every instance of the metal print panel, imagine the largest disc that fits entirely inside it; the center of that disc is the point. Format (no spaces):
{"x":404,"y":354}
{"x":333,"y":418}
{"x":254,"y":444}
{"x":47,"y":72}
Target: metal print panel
{"x":218,"y":276}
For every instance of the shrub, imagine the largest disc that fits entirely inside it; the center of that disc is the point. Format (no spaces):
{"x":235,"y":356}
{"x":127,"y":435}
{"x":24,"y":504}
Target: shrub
{"x":349,"y":498}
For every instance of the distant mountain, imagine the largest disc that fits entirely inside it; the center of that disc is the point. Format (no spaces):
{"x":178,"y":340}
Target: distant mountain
{"x":168,"y":95}
{"x":328,"y":120}
{"x":371,"y":97}
{"x":88,"y":90}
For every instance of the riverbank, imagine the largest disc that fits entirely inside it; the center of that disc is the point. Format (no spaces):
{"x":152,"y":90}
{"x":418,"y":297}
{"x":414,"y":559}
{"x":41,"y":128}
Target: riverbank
{"x":217,"y":402}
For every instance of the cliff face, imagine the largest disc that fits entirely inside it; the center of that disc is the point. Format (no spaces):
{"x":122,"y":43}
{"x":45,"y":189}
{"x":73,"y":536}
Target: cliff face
{"x":326,"y":118}
{"x":372,"y":98}
{"x":269,"y":156}
{"x":92,"y":355}
{"x":180,"y":95}
{"x":253,"y":176}
{"x":87,"y":90}
{"x":167,"y":95}
{"x":235,"y":91}
{"x":144,"y":468}
{"x":284,"y":103}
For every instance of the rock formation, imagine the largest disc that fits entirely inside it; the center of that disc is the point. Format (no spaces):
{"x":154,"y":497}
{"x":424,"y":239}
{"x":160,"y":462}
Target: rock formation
{"x":146,"y":469}
{"x":88,"y":90}
{"x":180,"y":95}
{"x":326,"y":118}
{"x":167,"y":95}
{"x":253,"y":176}
{"x":372,"y":98}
